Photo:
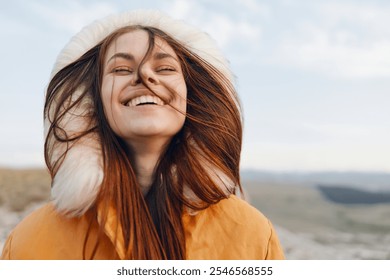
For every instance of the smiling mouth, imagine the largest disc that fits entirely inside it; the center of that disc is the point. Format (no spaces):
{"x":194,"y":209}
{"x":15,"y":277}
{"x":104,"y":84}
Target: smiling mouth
{"x":144,"y":100}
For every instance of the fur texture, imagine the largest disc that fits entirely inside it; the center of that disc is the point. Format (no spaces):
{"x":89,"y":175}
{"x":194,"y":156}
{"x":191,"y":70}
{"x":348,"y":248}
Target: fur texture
{"x":77,"y":182}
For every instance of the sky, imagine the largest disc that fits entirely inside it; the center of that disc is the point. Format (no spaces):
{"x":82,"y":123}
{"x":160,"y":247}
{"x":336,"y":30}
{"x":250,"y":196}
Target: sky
{"x":313,"y":76}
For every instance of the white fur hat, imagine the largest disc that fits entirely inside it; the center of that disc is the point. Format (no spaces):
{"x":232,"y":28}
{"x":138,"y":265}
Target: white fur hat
{"x":77,"y":182}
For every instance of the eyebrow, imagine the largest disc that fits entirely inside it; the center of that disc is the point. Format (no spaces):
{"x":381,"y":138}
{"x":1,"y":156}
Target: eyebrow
{"x":126,"y":56}
{"x":161,"y":55}
{"x":130,"y":57}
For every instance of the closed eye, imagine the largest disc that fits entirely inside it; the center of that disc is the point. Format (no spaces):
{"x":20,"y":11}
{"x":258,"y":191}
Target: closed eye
{"x":122,"y":70}
{"x":165,"y":68}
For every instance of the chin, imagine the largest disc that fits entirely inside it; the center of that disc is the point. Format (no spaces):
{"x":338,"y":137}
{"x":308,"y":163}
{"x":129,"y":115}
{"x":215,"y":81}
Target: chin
{"x":148,"y":133}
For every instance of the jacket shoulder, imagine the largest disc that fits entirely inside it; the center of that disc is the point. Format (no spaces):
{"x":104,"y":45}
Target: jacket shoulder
{"x":236,"y":229}
{"x":247,"y":221}
{"x":36,"y":236}
{"x":240,"y":211}
{"x":255,"y":226}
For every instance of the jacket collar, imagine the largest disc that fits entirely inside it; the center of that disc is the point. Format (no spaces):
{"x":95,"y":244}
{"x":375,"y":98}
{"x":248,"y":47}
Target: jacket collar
{"x":112,"y":229}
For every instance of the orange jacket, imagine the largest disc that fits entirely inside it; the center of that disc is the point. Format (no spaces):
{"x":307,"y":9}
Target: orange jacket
{"x":230,"y":229}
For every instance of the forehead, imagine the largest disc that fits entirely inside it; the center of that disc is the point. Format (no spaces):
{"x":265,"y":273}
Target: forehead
{"x":136,"y":42}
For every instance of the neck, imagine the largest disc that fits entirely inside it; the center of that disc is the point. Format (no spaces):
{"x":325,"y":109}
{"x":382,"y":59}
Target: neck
{"x":146,"y":156}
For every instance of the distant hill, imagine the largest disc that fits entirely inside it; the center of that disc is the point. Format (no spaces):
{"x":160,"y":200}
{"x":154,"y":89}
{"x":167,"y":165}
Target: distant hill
{"x":348,"y":195}
{"x":370,"y":181}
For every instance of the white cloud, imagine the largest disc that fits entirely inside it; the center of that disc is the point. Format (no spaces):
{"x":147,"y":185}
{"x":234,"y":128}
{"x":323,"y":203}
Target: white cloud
{"x":366,"y":15}
{"x":347,"y":40}
{"x":228,"y":31}
{"x":344,"y":134}
{"x":9,"y":26}
{"x":322,"y":146}
{"x":261,"y":10}
{"x":225,"y":29}
{"x":182,"y":9}
{"x":316,"y":157}
{"x":71,"y":15}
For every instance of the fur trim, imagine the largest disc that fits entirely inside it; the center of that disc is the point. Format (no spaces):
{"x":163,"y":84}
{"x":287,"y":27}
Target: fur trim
{"x":77,"y":182}
{"x":194,"y":39}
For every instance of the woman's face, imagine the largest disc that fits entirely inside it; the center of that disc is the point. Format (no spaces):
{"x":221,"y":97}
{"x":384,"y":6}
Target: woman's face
{"x":134,"y":112}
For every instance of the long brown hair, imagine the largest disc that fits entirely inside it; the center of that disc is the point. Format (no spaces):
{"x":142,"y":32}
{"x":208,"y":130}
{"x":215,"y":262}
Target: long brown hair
{"x":191,"y":172}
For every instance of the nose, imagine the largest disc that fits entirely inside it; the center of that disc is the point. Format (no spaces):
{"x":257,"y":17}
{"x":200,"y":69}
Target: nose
{"x":148,"y":75}
{"x":135,"y":79}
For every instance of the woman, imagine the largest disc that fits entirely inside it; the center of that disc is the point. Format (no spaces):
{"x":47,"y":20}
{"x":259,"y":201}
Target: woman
{"x":143,"y":144}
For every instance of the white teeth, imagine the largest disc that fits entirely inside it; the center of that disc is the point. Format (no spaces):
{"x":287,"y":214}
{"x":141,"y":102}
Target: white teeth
{"x":145,"y":99}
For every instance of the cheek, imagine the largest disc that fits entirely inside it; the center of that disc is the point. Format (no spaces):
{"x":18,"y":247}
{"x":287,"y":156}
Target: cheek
{"x":107,"y":92}
{"x":184,"y":96}
{"x":178,"y":86}
{"x":181,"y":90}
{"x":107,"y":89}
{"x":106,"y":96}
